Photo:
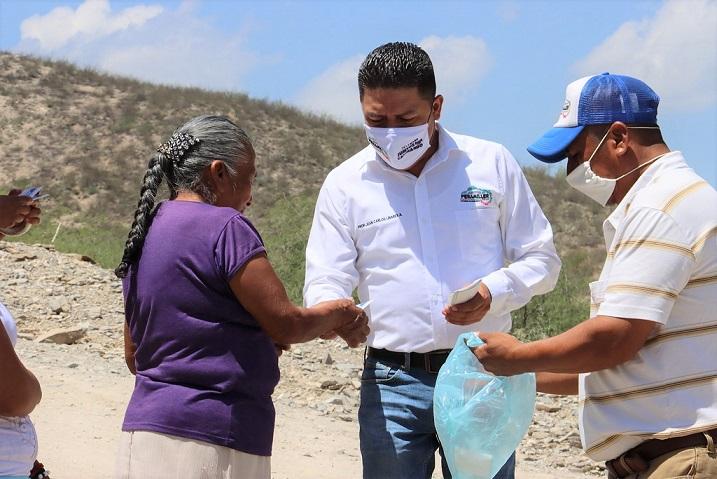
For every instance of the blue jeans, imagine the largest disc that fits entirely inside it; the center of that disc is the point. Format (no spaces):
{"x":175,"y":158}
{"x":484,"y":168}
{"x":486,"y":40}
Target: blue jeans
{"x":397,"y":434}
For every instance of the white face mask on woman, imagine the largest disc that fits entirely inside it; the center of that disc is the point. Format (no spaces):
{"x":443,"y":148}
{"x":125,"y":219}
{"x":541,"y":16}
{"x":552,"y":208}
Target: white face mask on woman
{"x":401,"y":148}
{"x":600,"y":189}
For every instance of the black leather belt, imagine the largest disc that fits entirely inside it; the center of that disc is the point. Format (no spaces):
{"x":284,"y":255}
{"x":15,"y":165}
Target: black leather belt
{"x":430,"y":362}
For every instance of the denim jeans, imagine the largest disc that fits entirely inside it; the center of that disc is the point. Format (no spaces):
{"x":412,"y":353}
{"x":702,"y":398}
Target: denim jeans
{"x":397,"y":434}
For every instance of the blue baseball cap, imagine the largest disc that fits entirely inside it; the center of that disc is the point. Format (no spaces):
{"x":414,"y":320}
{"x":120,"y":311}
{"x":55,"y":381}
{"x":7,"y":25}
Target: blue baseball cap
{"x":596,"y":100}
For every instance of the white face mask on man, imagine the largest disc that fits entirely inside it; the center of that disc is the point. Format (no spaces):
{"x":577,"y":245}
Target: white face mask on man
{"x":600,"y":189}
{"x":401,"y":148}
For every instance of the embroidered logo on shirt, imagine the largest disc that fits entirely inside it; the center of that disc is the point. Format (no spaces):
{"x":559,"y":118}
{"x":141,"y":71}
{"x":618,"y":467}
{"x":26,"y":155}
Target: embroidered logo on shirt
{"x":477,"y":195}
{"x":379,"y":220}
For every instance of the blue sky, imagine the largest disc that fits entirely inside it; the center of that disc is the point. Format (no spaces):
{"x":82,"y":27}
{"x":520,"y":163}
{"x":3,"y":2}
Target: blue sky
{"x":501,"y":65}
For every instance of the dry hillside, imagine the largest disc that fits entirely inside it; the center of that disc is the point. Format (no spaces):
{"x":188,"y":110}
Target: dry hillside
{"x":87,"y":136}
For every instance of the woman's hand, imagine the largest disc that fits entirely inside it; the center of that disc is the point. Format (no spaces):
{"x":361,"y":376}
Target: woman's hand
{"x":258,"y":288}
{"x":356,"y":330}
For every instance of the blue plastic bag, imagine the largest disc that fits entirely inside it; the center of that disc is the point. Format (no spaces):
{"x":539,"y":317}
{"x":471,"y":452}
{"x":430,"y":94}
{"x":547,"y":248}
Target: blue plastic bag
{"x":480,"y":418}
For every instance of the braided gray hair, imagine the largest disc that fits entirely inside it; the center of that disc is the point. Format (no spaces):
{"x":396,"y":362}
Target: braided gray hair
{"x":215,"y":138}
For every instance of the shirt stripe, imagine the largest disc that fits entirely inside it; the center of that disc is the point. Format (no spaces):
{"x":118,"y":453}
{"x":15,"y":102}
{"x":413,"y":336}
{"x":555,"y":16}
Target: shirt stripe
{"x":652,"y":243}
{"x":702,"y":239}
{"x":701,"y":281}
{"x":679,"y":333}
{"x":637,"y":288}
{"x":682,"y":383}
{"x":675,"y":200}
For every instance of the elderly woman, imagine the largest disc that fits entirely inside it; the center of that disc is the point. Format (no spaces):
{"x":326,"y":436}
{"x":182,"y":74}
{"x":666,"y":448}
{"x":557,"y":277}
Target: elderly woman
{"x":205,"y":313}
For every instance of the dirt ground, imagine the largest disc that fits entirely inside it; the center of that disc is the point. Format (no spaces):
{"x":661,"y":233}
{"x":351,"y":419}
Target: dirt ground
{"x":84,"y":396}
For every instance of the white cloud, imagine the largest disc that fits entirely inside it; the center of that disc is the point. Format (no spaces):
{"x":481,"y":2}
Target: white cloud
{"x":175,"y":47}
{"x":675,"y":52}
{"x":334,"y":92}
{"x":92,"y":19}
{"x":459,"y":64}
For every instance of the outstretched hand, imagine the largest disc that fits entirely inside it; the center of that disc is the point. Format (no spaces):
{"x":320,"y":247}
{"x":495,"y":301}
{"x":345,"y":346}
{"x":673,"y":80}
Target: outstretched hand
{"x":499,"y":353}
{"x":354,"y":332}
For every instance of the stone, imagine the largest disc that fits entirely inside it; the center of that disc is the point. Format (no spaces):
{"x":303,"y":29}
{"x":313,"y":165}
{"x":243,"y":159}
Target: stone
{"x":82,"y":257}
{"x":329,"y":384}
{"x":58,"y":304}
{"x":63,"y":336}
{"x":541,"y":406}
{"x":328,"y":359}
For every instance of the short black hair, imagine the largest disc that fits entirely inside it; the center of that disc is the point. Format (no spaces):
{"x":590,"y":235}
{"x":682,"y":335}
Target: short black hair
{"x":398,"y":65}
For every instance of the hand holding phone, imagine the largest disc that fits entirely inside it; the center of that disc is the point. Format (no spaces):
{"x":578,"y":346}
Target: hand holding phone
{"x":25,"y":210}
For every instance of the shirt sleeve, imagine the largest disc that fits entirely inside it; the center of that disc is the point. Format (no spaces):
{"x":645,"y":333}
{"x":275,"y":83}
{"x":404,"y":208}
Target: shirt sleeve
{"x":533,"y":263}
{"x":651,"y":261}
{"x":237,"y":244}
{"x":330,"y":253}
{"x":8,"y":322}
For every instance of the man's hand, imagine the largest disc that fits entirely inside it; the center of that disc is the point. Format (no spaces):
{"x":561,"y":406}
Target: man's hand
{"x":15,"y":209}
{"x":498,"y":354}
{"x":472,"y":310}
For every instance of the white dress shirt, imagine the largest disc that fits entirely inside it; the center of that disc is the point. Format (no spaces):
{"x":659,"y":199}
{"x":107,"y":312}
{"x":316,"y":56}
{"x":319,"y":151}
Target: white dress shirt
{"x":406,"y":242}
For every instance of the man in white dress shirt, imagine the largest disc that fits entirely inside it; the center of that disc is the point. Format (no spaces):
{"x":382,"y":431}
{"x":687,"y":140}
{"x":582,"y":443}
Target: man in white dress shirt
{"x":418,"y":213}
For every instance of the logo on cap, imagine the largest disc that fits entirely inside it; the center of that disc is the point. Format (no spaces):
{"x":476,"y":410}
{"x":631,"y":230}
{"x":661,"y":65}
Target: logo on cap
{"x":566,"y":109}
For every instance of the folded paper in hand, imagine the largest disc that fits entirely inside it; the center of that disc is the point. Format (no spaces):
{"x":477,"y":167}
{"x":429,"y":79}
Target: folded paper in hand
{"x":464,"y":294}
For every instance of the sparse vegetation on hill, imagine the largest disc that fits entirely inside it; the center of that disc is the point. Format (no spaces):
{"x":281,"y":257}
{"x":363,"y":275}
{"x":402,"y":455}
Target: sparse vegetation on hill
{"x":86,"y":138}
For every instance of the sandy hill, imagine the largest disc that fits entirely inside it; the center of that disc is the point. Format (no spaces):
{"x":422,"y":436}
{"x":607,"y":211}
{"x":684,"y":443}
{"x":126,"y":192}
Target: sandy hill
{"x":87,"y":136}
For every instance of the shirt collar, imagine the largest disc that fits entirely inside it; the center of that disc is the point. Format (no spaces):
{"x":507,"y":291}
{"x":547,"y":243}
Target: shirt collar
{"x":669,"y":162}
{"x":446,"y":145}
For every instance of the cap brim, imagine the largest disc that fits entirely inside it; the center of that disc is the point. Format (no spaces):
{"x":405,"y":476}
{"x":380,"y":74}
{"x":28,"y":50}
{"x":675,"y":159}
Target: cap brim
{"x":553,"y":145}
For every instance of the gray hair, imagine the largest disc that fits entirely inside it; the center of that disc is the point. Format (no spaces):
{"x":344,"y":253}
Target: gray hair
{"x":219,"y":139}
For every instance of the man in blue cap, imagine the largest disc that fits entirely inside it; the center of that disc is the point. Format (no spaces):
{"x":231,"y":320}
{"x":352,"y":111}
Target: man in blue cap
{"x":644,"y":362}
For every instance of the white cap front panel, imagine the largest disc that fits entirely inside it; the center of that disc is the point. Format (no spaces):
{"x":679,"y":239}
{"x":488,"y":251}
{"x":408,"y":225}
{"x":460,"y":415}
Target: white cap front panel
{"x":569,"y":114}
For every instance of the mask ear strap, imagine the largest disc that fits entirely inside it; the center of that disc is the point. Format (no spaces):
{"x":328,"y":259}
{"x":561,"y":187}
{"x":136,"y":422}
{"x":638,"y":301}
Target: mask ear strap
{"x":431,"y":112}
{"x":598,"y":147}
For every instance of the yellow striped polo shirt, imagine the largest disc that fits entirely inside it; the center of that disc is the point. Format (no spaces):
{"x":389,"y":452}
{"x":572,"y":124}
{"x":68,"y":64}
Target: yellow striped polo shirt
{"x":661,"y":266}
